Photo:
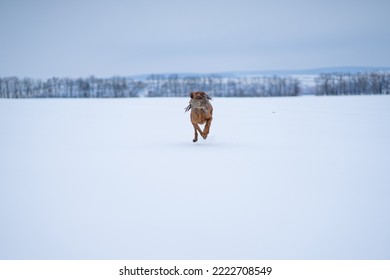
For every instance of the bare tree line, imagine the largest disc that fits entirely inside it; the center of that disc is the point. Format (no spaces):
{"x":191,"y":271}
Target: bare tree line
{"x":353,"y":84}
{"x":13,"y":87}
{"x":152,"y":86}
{"x":173,"y":86}
{"x":176,"y":86}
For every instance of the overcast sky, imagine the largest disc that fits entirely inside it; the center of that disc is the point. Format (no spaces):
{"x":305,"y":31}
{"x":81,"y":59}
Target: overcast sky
{"x":43,"y":38}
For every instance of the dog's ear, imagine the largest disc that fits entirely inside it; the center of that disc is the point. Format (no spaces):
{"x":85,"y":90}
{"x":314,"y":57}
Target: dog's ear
{"x":192,"y":95}
{"x":207,"y":96}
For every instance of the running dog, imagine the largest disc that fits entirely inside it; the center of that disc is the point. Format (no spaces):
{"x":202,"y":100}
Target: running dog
{"x":201,"y":113}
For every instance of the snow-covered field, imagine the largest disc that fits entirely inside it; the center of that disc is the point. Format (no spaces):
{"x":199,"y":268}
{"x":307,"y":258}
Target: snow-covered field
{"x":278,"y":178}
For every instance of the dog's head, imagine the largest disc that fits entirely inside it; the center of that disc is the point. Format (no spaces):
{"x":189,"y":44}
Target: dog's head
{"x":199,"y":95}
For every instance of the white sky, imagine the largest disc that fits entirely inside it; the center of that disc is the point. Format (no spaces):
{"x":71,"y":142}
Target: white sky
{"x":43,"y":38}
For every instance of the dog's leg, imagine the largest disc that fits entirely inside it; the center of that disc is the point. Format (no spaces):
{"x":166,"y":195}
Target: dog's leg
{"x":197,"y":128}
{"x":196,"y":135}
{"x":206,"y":129}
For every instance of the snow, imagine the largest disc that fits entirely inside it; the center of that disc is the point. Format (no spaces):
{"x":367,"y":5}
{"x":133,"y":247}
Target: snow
{"x":278,"y":178}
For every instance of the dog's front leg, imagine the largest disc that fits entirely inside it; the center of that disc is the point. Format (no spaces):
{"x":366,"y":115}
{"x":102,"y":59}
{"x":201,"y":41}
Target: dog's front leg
{"x":196,"y":128}
{"x":206,"y":129}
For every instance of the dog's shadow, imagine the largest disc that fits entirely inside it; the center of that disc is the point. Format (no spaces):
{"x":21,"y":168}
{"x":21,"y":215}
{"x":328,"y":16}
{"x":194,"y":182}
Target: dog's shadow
{"x":210,"y":142}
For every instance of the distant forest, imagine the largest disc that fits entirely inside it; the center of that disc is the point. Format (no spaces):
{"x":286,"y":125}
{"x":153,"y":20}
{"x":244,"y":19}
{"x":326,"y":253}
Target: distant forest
{"x":176,"y":86}
{"x":353,"y":84}
{"x":152,"y":86}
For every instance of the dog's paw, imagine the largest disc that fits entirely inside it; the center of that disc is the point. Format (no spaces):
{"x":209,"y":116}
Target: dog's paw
{"x":194,"y":140}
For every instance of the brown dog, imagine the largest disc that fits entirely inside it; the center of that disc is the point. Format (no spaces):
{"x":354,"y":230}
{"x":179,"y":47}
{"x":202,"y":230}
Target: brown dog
{"x":201,"y":113}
